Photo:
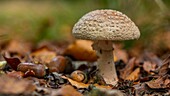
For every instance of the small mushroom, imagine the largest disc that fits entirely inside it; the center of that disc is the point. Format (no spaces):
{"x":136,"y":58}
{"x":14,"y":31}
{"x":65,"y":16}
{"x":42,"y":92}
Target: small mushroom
{"x":103,"y":27}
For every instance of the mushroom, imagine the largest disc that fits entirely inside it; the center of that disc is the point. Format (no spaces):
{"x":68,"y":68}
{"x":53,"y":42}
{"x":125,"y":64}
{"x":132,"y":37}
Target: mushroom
{"x":103,"y":27}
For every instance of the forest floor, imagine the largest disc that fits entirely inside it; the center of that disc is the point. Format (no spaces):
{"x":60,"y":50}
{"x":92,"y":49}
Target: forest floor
{"x":69,"y":69}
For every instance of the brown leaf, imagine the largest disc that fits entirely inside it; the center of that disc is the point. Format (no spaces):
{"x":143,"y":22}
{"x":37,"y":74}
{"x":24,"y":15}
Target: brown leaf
{"x":102,"y":86}
{"x":134,"y":75}
{"x":148,"y":66}
{"x":128,"y":68}
{"x":16,"y":74}
{"x":161,"y":82}
{"x":12,"y":61}
{"x":165,"y":68}
{"x":43,"y":55}
{"x":10,"y":85}
{"x":140,"y":88}
{"x":75,"y":83}
{"x":120,"y":55}
{"x":83,"y":85}
{"x":81,"y":50}
{"x":66,"y":90}
{"x":149,"y":56}
{"x":18,"y":46}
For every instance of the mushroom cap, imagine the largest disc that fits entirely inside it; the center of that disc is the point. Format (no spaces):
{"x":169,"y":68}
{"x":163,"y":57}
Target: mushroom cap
{"x":105,"y":25}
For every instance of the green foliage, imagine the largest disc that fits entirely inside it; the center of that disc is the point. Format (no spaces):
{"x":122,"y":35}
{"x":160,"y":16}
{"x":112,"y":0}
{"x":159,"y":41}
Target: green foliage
{"x":47,"y":20}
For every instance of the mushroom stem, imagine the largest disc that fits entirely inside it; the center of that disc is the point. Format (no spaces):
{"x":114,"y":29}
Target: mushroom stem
{"x":105,"y":62}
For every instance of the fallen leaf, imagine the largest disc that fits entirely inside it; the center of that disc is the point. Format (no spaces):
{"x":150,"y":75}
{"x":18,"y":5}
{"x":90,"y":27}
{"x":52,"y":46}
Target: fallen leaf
{"x":161,"y":82}
{"x":16,"y":74}
{"x":75,"y":83}
{"x":148,"y":66}
{"x":13,"y":62}
{"x":83,"y":85}
{"x":151,"y":57}
{"x":165,"y":68}
{"x":102,"y":86}
{"x":120,"y":54}
{"x":43,"y":54}
{"x":128,"y":68}
{"x":18,"y":46}
{"x":66,"y":90}
{"x":57,"y":46}
{"x":82,"y":50}
{"x":10,"y":85}
{"x":134,"y":75}
{"x":140,"y":89}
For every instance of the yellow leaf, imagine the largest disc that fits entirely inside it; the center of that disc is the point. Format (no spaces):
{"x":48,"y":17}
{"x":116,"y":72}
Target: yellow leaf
{"x":134,"y":75}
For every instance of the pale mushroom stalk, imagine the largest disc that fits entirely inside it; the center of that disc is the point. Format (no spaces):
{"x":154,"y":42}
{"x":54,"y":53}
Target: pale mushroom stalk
{"x":106,"y":66}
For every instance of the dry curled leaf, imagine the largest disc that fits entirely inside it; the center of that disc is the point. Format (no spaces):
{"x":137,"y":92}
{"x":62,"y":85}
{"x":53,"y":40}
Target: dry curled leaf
{"x":128,"y":69}
{"x":149,"y":56}
{"x":165,"y":68}
{"x":75,"y":83}
{"x":81,"y":50}
{"x":83,"y":85}
{"x":148,"y":66}
{"x":16,"y":74}
{"x":161,"y":82}
{"x":140,"y":89}
{"x":43,"y":55}
{"x":10,"y":85}
{"x":19,"y":46}
{"x":134,"y":75}
{"x":13,"y":62}
{"x":120,"y":54}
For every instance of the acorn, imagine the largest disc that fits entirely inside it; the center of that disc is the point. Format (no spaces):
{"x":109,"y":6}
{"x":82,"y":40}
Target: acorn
{"x":79,"y":76}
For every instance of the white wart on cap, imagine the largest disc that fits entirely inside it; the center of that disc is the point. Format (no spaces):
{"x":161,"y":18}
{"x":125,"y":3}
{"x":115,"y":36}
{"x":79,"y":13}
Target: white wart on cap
{"x":105,"y":25}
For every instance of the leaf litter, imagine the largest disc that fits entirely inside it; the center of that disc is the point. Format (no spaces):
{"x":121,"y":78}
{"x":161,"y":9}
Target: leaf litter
{"x":46,"y":71}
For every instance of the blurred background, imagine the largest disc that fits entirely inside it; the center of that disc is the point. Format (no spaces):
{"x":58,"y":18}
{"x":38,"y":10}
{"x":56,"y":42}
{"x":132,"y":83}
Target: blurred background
{"x":52,"y":20}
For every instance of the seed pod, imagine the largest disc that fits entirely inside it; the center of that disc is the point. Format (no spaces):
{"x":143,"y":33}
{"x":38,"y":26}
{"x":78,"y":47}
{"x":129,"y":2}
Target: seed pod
{"x":79,"y":76}
{"x":38,"y":69}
